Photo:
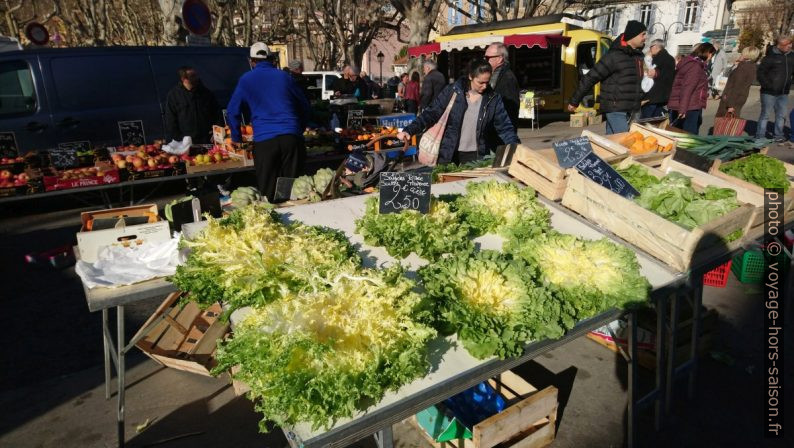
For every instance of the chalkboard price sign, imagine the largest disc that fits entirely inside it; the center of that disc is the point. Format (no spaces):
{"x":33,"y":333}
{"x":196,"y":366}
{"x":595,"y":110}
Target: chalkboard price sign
{"x":696,"y":161}
{"x":570,"y":152}
{"x":601,"y":173}
{"x":355,"y":118}
{"x":131,"y":133}
{"x":8,"y":144}
{"x":404,"y":191}
{"x":66,"y":156}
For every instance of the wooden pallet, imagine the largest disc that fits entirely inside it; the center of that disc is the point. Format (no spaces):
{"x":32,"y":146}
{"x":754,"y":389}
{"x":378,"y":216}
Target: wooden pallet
{"x":185,"y":338}
{"x":528,"y":421}
{"x":672,"y":244}
{"x":470,"y":174}
{"x":539,"y":169}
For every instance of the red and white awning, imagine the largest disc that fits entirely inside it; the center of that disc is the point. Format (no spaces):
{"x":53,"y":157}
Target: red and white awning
{"x":513,"y":40}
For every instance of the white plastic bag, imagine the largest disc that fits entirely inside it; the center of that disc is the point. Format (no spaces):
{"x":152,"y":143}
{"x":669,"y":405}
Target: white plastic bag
{"x":118,"y":266}
{"x":178,"y":148}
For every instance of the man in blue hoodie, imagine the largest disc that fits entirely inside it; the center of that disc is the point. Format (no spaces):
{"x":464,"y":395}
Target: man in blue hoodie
{"x":279,"y":111}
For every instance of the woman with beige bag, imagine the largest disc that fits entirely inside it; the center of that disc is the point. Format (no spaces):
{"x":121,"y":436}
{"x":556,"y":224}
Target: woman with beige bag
{"x":465,"y":122}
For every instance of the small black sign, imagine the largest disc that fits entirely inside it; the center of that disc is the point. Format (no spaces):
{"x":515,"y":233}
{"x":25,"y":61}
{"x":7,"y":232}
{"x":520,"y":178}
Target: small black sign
{"x":132,"y":133}
{"x":283,"y":189}
{"x":67,"y":155}
{"x":8,"y":144}
{"x":404,"y":191}
{"x":355,"y":118}
{"x":696,"y":161}
{"x":601,"y":173}
{"x":504,"y":155}
{"x":570,"y":152}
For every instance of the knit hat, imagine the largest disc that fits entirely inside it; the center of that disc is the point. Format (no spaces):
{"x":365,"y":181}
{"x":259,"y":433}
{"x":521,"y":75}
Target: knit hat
{"x":633,"y":29}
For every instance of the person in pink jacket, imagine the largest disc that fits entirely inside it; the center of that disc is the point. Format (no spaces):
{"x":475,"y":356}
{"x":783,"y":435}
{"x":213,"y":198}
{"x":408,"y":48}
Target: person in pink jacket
{"x":690,"y":89}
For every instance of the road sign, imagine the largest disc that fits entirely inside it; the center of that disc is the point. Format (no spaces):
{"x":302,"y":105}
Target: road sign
{"x":196,"y":17}
{"x":37,"y":33}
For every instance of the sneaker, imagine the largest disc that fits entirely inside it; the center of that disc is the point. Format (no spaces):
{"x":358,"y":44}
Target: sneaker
{"x":780,"y":140}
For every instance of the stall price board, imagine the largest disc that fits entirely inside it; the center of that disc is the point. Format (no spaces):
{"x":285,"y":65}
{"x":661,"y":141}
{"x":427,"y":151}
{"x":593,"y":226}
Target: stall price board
{"x":8,"y":144}
{"x":131,"y":133}
{"x":571,"y":152}
{"x":696,"y":161}
{"x":404,"y":191}
{"x":601,"y":173}
{"x":66,"y":155}
{"x":355,"y":118}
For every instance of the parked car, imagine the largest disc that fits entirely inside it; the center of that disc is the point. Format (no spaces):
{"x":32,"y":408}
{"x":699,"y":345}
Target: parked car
{"x":321,"y":84}
{"x":59,"y":95}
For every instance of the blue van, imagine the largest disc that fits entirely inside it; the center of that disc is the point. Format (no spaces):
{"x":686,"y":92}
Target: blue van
{"x":52,"y":96}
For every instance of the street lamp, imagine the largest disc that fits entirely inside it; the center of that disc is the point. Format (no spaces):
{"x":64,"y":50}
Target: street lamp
{"x":727,"y":28}
{"x":667,"y":29}
{"x":380,"y":58}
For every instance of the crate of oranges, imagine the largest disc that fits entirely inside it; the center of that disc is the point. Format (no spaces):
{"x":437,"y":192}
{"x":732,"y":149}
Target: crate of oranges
{"x":222,"y":135}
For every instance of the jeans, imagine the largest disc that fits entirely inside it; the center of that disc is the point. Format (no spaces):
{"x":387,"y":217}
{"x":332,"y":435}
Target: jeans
{"x":652,"y":110}
{"x":779,"y":103}
{"x":690,"y":123}
{"x":617,"y":122}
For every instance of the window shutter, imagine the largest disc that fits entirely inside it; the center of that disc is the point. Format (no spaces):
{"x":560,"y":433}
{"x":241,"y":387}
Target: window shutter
{"x":653,"y":16}
{"x":681,"y":15}
{"x":696,"y":26}
{"x":616,"y":29}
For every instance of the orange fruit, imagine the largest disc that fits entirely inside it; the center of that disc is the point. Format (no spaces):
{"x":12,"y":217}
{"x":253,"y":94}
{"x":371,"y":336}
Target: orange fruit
{"x":249,"y":130}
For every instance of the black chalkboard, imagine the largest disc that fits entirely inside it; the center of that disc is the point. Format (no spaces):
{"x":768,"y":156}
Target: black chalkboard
{"x":66,"y":155}
{"x":355,"y":118}
{"x":696,"y":161}
{"x":601,"y":173}
{"x":504,"y":155}
{"x":283,"y":189}
{"x":131,"y":133}
{"x":570,"y":152}
{"x":8,"y":144}
{"x":404,"y":191}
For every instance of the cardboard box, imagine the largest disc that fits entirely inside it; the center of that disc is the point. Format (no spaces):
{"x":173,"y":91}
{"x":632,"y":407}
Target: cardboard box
{"x":578,"y":120}
{"x":102,"y":228}
{"x":109,"y":176}
{"x":594,"y":119}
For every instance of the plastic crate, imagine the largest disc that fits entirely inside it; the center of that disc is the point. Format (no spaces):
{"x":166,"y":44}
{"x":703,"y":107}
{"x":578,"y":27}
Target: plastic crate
{"x":718,"y":277}
{"x":749,"y":267}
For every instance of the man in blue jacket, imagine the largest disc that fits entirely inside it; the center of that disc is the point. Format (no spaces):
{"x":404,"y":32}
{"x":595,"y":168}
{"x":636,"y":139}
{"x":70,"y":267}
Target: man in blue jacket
{"x":279,"y":111}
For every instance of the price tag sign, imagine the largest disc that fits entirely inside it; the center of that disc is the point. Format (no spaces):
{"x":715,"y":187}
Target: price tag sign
{"x":8,"y":144}
{"x":66,"y":156}
{"x":131,"y":133}
{"x":570,"y":152}
{"x":355,"y":118}
{"x":696,"y":161}
{"x":601,"y":173}
{"x":404,"y":191}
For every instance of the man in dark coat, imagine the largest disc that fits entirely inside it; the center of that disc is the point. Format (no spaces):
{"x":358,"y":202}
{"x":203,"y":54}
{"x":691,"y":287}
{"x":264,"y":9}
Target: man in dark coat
{"x":775,"y":75}
{"x":665,"y":73}
{"x":190,"y":109}
{"x":432,"y":85}
{"x":503,"y":80}
{"x":620,"y":73}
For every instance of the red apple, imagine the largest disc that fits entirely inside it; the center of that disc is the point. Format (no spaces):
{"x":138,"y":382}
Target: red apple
{"x":23,"y":177}
{"x":129,"y":158}
{"x":5,"y":174}
{"x":137,"y":162}
{"x":19,"y":159}
{"x":173,"y":159}
{"x":121,"y":164}
{"x":152,"y":163}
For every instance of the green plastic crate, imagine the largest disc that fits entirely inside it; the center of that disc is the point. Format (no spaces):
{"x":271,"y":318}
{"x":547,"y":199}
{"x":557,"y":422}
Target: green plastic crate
{"x":749,"y":267}
{"x":441,"y":425}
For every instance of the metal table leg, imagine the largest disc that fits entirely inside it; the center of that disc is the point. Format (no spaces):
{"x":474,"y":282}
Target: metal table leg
{"x":632,"y":379}
{"x":697,"y":300}
{"x":661,"y":312}
{"x":384,"y":438}
{"x":673,"y":329}
{"x":121,"y":354}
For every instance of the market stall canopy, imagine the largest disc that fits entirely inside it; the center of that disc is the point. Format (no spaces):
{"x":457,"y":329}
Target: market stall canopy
{"x":512,"y":40}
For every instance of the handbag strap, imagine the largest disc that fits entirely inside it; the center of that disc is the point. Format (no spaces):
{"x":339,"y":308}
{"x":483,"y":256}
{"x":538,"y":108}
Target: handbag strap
{"x":730,"y":115}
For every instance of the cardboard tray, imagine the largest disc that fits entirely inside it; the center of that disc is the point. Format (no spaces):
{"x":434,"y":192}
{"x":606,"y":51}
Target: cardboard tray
{"x":90,"y":242}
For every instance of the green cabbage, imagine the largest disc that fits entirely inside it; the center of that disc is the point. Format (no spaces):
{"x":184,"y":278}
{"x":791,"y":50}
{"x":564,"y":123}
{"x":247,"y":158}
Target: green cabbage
{"x":503,"y":208}
{"x":589,"y":277}
{"x":322,"y":178}
{"x":301,"y":188}
{"x":319,"y":355}
{"x":429,"y":235}
{"x":491,"y":301}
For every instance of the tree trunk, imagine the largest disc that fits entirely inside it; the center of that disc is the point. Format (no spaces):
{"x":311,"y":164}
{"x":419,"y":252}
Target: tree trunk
{"x":171,"y":10}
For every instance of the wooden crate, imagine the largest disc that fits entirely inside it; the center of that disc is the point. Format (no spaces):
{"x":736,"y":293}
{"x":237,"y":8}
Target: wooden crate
{"x":469,"y":174}
{"x":233,"y":162}
{"x":539,"y":169}
{"x":788,"y":199}
{"x":528,"y":421}
{"x":672,"y":244}
{"x":186,"y":338}
{"x":605,"y":141}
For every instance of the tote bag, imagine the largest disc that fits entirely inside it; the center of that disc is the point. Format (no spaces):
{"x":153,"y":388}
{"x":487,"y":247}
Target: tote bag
{"x":430,"y":142}
{"x":729,"y":125}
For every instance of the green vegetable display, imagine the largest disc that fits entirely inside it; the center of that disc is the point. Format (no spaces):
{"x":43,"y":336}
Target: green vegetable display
{"x":455,"y":168}
{"x":246,"y":195}
{"x":430,"y":236}
{"x":318,"y":355}
{"x":503,"y":208}
{"x":714,"y":146}
{"x":492,"y":302}
{"x":251,"y":258}
{"x":759,"y":169}
{"x":322,"y":178}
{"x":638,"y":177}
{"x":588,"y":276}
{"x":301,"y":188}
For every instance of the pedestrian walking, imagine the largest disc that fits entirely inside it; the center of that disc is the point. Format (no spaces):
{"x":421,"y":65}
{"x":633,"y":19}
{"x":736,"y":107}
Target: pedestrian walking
{"x":503,"y":80}
{"x":739,"y":81}
{"x":620,"y":73}
{"x":412,"y":94}
{"x":665,"y":72}
{"x":476,"y":118}
{"x":717,"y":67}
{"x":190,"y":109}
{"x":432,"y":85}
{"x":690,"y":89}
{"x":775,"y":75}
{"x":279,"y":111}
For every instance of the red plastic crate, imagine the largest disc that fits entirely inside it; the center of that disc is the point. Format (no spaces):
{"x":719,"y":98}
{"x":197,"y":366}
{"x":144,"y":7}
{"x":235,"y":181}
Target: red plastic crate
{"x":718,"y":277}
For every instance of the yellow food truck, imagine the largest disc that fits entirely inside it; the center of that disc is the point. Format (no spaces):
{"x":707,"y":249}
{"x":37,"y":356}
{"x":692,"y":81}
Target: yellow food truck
{"x":548,"y":54}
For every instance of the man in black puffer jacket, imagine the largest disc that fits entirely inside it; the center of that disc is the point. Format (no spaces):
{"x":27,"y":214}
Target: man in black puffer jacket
{"x":775,"y":76}
{"x":620,"y":73}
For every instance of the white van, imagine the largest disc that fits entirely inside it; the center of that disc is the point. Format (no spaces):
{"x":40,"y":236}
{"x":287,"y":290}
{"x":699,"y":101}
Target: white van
{"x":321,"y":84}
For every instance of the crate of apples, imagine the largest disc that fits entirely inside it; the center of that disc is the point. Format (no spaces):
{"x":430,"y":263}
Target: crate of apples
{"x":82,"y":177}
